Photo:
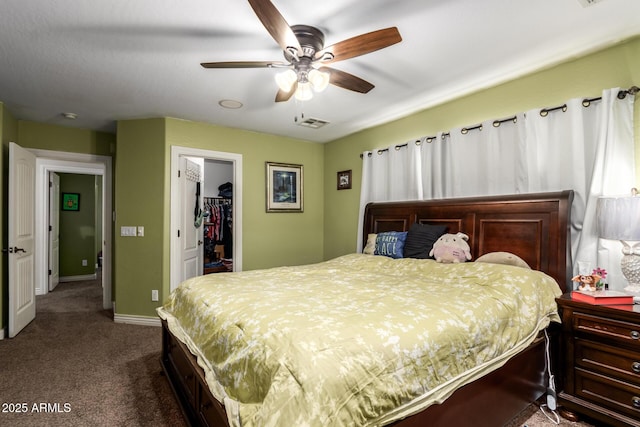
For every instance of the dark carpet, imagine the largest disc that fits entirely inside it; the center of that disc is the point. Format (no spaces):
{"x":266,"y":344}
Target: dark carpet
{"x":73,"y":366}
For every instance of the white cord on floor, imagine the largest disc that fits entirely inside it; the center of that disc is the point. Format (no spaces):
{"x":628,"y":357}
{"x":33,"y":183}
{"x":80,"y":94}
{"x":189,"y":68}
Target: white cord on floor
{"x":555,"y":420}
{"x":551,"y":391}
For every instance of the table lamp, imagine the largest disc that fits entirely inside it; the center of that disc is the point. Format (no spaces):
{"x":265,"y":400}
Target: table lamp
{"x":618,"y":218}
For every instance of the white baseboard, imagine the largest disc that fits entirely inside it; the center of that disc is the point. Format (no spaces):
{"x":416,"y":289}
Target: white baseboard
{"x":79,"y":278}
{"x":136,"y":320}
{"x":2,"y":334}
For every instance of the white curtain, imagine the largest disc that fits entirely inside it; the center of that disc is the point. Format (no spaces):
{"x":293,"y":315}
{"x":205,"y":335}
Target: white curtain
{"x":587,"y":149}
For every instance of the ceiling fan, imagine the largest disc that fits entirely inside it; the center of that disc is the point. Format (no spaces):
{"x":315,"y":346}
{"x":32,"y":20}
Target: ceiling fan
{"x":306,"y":56}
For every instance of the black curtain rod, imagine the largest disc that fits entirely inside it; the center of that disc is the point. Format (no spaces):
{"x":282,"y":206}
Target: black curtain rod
{"x":633,"y":90}
{"x":622,"y":94}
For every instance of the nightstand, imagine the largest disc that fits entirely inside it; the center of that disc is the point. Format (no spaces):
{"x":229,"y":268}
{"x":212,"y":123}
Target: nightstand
{"x":600,"y":362}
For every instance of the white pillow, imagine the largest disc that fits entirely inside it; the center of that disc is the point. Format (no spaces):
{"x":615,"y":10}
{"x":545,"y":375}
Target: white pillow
{"x":370,"y":247}
{"x":503,"y":258}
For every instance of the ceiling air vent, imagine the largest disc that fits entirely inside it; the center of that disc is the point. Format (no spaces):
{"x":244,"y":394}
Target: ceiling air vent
{"x":586,"y":3}
{"x":312,"y":123}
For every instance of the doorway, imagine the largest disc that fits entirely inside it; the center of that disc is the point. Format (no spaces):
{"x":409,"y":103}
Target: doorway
{"x":48,"y":162}
{"x":234,"y":160}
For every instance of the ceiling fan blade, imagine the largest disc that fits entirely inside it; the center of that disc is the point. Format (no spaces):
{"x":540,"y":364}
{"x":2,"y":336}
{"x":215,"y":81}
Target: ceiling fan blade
{"x":275,"y":24}
{"x":360,"y":45}
{"x":347,"y":81}
{"x":244,"y":64}
{"x":283,"y":96}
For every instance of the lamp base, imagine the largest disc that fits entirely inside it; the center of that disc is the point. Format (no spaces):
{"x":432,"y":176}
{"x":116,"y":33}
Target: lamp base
{"x":633,"y":288}
{"x":630,"y":265}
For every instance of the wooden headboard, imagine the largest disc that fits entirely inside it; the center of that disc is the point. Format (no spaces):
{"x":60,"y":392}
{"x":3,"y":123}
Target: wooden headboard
{"x":536,"y":227}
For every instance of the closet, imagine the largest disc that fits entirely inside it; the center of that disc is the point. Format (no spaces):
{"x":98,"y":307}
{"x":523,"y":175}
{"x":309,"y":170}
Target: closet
{"x":217,"y":206}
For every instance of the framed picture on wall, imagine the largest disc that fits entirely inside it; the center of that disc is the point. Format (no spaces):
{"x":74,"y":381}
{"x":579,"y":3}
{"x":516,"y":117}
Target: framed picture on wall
{"x":70,"y":202}
{"x":285,"y":184}
{"x":344,"y":180}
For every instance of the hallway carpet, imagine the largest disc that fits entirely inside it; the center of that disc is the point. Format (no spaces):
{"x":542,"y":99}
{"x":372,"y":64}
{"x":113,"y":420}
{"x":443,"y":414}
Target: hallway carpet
{"x":73,"y":366}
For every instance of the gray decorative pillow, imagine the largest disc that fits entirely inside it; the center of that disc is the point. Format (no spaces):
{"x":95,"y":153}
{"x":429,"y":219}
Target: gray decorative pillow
{"x":420,"y":239}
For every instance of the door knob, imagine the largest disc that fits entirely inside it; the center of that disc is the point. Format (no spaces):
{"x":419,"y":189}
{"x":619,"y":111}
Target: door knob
{"x":14,"y":249}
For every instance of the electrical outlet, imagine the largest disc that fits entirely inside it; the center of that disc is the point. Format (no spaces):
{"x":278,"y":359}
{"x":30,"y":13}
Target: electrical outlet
{"x":154,"y":295}
{"x":84,"y":263}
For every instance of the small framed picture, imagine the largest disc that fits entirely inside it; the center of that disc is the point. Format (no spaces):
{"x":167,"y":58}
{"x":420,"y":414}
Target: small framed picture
{"x":344,"y":180}
{"x":285,"y":185}
{"x":70,"y":202}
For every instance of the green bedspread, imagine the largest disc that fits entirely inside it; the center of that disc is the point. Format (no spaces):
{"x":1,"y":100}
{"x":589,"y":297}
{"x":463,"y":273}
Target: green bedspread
{"x":357,"y":340}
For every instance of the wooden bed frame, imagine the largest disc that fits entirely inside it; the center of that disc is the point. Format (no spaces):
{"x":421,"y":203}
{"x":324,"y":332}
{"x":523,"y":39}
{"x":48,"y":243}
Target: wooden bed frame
{"x":533,"y":226}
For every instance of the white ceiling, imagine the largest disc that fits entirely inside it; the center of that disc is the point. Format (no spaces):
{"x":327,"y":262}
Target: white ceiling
{"x":109,"y":60}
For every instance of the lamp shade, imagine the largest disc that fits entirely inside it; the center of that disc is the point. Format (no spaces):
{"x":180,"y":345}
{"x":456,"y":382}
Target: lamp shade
{"x":286,"y":79}
{"x":618,"y":218}
{"x":319,"y":79}
{"x":304,"y":93}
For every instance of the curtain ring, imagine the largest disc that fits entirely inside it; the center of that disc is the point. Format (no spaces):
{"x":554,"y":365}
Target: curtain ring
{"x":464,"y":131}
{"x":418,"y":142}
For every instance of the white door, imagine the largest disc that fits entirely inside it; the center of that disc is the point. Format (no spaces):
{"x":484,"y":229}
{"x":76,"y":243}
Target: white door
{"x":22,"y":190}
{"x":54,"y":230}
{"x":191,"y":237}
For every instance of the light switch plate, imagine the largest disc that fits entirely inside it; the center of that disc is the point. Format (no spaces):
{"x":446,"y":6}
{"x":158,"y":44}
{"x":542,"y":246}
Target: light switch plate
{"x":128,"y":231}
{"x":140,"y":231}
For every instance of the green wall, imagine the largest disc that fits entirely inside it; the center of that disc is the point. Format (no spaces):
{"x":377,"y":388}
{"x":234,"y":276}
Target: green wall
{"x":143,"y":198}
{"x":617,"y":66}
{"x":60,"y":138}
{"x":78,"y":228}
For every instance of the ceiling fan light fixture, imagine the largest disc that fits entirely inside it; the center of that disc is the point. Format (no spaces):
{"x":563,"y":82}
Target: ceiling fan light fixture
{"x":319,"y":79}
{"x":304,"y":92}
{"x":286,"y":79}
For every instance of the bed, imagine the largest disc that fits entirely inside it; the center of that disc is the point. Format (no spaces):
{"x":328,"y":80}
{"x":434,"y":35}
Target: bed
{"x":205,"y":379}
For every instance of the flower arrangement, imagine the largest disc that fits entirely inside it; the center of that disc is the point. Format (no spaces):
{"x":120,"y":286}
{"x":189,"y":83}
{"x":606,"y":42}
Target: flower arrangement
{"x":602,"y":273}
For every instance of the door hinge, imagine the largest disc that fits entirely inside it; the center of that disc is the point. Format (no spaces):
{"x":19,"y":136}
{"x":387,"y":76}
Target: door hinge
{"x":178,"y":233}
{"x":50,"y":184}
{"x":49,"y":272}
{"x":50,"y":228}
{"x":178,"y":173}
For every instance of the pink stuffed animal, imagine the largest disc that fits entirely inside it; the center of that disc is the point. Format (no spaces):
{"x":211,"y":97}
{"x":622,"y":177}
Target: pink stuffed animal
{"x":451,"y":248}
